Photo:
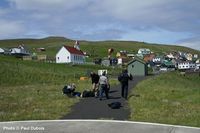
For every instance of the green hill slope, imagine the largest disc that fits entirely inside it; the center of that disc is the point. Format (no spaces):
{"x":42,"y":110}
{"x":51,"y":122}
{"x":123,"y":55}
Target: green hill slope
{"x":53,"y":44}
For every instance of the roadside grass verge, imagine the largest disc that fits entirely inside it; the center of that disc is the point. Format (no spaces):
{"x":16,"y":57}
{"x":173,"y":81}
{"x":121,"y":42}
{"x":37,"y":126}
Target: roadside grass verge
{"x":168,"y":98}
{"x":34,"y":102}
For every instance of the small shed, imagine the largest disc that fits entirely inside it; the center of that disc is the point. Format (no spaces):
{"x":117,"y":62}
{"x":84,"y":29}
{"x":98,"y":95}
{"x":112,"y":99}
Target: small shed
{"x":137,"y":67}
{"x":41,"y":57}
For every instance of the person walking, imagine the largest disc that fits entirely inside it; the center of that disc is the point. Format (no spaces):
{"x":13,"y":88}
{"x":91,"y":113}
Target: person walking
{"x":103,"y":84}
{"x":123,"y":78}
{"x":95,"y":82}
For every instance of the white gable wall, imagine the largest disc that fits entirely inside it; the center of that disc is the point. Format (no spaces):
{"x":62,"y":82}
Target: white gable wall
{"x":15,"y":51}
{"x":186,"y":65}
{"x":63,"y":56}
{"x":1,"y":50}
{"x":156,"y":59}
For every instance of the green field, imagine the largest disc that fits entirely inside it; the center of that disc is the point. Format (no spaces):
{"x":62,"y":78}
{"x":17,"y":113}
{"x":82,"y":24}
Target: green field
{"x":33,"y":90}
{"x":169,"y":98}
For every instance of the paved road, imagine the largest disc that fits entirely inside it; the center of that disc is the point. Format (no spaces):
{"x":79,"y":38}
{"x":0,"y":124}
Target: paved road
{"x":93,"y":108}
{"x":88,"y":126}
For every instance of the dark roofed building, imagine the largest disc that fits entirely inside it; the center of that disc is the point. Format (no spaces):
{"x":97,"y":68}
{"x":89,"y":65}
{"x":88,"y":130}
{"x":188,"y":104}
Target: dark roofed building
{"x":137,"y":67}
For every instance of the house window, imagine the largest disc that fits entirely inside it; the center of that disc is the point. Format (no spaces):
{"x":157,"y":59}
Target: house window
{"x":58,"y":58}
{"x":132,"y":66}
{"x":68,"y":57}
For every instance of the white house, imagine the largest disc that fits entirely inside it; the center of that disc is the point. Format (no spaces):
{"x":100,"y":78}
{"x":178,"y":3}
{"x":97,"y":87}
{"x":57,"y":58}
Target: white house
{"x":170,"y":56}
{"x":15,"y":50}
{"x":197,"y":66}
{"x":186,"y":65}
{"x":144,"y":51}
{"x":1,"y":51}
{"x":195,"y":56}
{"x":69,"y":54}
{"x":157,"y":59}
{"x":20,"y":50}
{"x":189,"y":56}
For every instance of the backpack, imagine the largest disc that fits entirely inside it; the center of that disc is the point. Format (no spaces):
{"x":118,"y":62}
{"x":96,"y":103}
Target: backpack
{"x":76,"y":94}
{"x":115,"y":105}
{"x":120,"y":77}
{"x":108,"y":87}
{"x":88,"y":94}
{"x":66,"y":90}
{"x":131,"y":77}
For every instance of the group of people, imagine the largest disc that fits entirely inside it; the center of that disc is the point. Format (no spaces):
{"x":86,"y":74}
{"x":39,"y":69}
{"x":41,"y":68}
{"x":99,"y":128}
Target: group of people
{"x":101,"y":85}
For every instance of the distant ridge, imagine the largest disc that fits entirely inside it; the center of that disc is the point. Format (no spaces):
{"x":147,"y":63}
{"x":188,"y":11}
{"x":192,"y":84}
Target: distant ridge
{"x":55,"y":38}
{"x":96,"y":48}
{"x":34,"y":39}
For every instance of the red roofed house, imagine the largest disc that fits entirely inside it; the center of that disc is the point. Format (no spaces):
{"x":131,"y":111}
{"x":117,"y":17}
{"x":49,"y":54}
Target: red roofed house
{"x":69,"y":54}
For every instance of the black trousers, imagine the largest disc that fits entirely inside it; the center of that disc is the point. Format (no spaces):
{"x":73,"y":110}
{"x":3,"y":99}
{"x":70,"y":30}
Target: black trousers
{"x":103,"y":89}
{"x":124,"y":91}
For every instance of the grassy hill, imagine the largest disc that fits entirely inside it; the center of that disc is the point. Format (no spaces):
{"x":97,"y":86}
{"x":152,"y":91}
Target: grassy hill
{"x":169,"y":98}
{"x":53,"y":44}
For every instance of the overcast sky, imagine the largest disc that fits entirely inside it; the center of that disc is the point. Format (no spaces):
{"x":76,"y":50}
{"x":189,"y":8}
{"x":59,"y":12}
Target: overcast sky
{"x":154,"y":21}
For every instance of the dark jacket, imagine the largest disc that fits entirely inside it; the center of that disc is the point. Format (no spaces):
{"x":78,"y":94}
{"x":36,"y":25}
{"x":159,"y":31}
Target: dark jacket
{"x":95,"y":78}
{"x":124,"y":78}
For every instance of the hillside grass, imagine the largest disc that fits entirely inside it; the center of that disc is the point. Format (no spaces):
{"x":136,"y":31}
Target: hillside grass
{"x":168,"y":98}
{"x":33,"y":90}
{"x":95,"y":49}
